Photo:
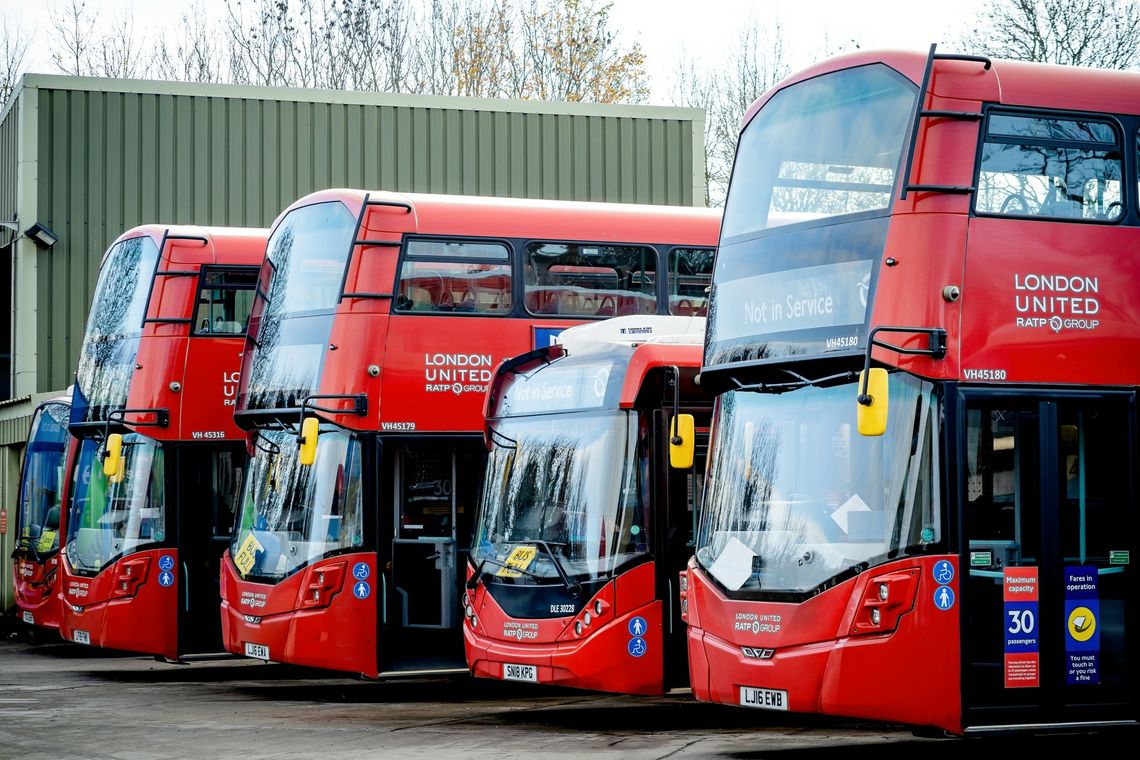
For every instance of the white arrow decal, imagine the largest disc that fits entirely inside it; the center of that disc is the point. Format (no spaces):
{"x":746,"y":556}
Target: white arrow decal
{"x":854,"y":504}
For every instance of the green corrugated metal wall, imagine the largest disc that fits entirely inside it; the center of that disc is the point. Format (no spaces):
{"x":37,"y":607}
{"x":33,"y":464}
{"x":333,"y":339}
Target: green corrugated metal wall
{"x":110,"y":160}
{"x":9,"y":131}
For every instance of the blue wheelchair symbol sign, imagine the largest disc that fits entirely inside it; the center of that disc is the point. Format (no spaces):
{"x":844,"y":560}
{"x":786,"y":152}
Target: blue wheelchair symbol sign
{"x":361,"y":590}
{"x":943,"y":572}
{"x":944,"y":597}
{"x":166,"y":562}
{"x":360,"y":571}
{"x":637,"y":646}
{"x":166,"y":578}
{"x":637,"y":627}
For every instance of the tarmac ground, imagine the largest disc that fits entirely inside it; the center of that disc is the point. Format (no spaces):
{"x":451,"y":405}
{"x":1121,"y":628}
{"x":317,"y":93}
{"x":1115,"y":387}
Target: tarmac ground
{"x":62,"y":700}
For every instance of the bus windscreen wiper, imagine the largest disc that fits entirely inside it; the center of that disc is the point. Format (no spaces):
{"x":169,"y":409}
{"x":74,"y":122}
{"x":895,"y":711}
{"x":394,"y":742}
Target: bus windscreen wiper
{"x":487,"y":560}
{"x":571,"y":586}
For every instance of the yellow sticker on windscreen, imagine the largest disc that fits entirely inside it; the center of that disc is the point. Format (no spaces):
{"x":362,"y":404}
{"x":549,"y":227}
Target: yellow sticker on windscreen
{"x":247,"y":555}
{"x":520,"y":557}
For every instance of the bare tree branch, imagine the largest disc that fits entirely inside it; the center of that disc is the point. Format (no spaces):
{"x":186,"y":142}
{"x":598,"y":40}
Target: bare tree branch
{"x":195,"y":55}
{"x":13,"y":54}
{"x":755,"y":64}
{"x":74,"y":29}
{"x":1098,"y":33}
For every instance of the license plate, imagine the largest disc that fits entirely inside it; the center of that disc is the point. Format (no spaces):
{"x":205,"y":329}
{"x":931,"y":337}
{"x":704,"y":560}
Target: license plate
{"x":765,"y":699}
{"x":513,"y":672}
{"x":29,"y":618}
{"x":81,"y":637}
{"x":260,"y":651}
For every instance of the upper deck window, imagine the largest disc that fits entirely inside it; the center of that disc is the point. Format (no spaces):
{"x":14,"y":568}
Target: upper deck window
{"x":590,"y":280}
{"x":292,"y":315}
{"x":224,"y":300}
{"x":447,"y":276}
{"x":1056,"y":168}
{"x":690,"y":272}
{"x":114,"y":326}
{"x":823,"y":147}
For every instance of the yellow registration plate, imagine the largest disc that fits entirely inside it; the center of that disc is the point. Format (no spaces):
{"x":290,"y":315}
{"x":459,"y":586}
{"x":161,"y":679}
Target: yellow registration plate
{"x":520,"y":558}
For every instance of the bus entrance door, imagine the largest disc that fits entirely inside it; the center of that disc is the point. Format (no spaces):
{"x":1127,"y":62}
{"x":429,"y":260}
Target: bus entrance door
{"x":423,"y":556}
{"x":1048,"y":502}
{"x":676,"y":502}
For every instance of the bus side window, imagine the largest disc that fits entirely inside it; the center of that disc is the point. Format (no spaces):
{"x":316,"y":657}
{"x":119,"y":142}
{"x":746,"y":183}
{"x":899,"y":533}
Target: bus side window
{"x":225,"y":297}
{"x":1047,"y":167}
{"x":590,"y":280}
{"x":690,"y":273}
{"x":455,"y":276}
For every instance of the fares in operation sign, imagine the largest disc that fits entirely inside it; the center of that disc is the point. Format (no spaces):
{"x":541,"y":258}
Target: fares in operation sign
{"x":1082,"y":634}
{"x":831,"y":295}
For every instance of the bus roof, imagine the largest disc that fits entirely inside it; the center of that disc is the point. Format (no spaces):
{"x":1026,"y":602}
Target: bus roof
{"x":595,"y":365}
{"x":536,"y":218}
{"x":1012,"y":83}
{"x":246,"y":243}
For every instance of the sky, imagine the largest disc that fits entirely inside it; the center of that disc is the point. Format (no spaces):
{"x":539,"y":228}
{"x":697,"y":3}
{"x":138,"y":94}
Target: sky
{"x":703,"y":30}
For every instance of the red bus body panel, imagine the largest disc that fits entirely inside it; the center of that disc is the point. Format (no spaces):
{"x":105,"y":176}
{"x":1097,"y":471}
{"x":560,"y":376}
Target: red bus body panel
{"x":38,"y":597}
{"x":433,"y":371}
{"x":596,"y":660}
{"x":933,"y":241}
{"x":824,"y":653}
{"x":37,"y":591}
{"x":286,"y":618}
{"x":123,"y":607}
{"x":195,"y":378}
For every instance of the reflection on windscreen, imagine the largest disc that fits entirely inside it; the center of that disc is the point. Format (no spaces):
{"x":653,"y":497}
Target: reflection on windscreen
{"x":292,"y":318}
{"x":291,"y":514}
{"x":114,"y":516}
{"x":111,"y":342}
{"x":796,"y":497}
{"x":823,"y":147}
{"x":573,"y":481}
{"x":41,"y":486}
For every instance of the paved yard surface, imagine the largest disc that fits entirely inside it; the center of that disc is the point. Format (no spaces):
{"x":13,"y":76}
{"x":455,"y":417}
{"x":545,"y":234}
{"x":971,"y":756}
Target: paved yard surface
{"x":59,"y":700}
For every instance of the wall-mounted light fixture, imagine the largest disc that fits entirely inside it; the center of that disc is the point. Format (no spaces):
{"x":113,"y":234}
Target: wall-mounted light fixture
{"x":38,"y":233}
{"x":41,"y":235}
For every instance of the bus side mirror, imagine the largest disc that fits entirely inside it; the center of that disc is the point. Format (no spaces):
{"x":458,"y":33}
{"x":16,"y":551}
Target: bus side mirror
{"x":113,"y":456}
{"x":309,"y":431}
{"x":872,"y":409}
{"x":682,"y":442}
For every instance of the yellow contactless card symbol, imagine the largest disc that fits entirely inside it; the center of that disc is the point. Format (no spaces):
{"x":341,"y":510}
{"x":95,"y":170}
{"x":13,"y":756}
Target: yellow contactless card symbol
{"x":1082,"y":624}
{"x":247,"y":555}
{"x":520,"y":557}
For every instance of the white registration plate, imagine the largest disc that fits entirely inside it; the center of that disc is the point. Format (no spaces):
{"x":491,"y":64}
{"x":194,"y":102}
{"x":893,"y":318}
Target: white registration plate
{"x":260,"y":651}
{"x":512,"y":672}
{"x":765,"y":699}
{"x":81,"y":637}
{"x":29,"y":618}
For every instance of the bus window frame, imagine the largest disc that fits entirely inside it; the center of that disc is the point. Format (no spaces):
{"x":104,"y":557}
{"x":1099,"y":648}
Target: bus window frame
{"x":669,"y":273}
{"x":406,"y":255}
{"x":1127,"y":168}
{"x":206,"y":269}
{"x":660,"y":291}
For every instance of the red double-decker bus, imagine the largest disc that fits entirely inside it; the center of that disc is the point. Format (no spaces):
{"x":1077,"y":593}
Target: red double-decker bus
{"x":155,"y":483}
{"x":41,"y":519}
{"x":946,"y":542}
{"x":379,"y":320}
{"x":588,"y":512}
